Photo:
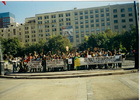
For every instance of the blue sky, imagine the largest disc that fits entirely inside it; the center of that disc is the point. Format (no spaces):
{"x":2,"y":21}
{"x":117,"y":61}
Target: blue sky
{"x":25,"y":9}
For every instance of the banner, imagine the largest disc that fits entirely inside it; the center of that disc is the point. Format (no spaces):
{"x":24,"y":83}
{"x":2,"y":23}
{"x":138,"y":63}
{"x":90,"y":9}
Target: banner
{"x":68,"y":32}
{"x":69,"y":61}
{"x":55,"y":63}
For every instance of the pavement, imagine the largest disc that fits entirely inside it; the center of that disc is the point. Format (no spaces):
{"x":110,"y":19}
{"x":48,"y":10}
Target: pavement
{"x":112,"y":87}
{"x":109,"y":84}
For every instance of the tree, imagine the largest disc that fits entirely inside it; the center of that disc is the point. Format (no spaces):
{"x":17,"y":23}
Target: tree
{"x":58,"y":43}
{"x":12,"y":45}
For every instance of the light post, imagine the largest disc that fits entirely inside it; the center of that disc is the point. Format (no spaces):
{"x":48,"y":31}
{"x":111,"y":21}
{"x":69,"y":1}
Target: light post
{"x":1,"y":61}
{"x":137,"y":39}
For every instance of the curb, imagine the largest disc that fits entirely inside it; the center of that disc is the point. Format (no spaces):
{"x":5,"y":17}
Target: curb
{"x":70,"y":76}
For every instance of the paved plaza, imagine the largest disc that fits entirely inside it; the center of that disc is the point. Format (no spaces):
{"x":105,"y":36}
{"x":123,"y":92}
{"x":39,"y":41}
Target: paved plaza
{"x":113,"y":87}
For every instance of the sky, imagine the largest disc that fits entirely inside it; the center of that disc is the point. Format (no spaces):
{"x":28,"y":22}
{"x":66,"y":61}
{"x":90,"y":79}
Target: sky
{"x":25,"y":9}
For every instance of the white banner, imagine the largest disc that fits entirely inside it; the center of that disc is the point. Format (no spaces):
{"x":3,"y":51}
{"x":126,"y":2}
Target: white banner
{"x":69,"y":61}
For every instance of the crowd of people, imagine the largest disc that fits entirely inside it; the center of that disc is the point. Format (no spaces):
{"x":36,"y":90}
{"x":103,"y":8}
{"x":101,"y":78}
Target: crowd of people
{"x":49,"y":56}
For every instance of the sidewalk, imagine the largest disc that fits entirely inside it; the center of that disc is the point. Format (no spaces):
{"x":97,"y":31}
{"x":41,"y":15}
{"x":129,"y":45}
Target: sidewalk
{"x":70,"y":74}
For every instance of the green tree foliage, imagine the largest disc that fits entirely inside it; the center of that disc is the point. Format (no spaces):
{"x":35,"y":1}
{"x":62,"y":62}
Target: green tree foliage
{"x":109,"y":41}
{"x":58,"y":43}
{"x":11,"y":45}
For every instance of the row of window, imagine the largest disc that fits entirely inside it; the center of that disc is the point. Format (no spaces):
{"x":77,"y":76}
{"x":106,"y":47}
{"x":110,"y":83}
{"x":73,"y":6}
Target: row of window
{"x":123,"y":15}
{"x":116,"y":26}
{"x":87,"y":30}
{"x":123,"y":20}
{"x":122,"y":10}
{"x":91,"y":11}
{"x":54,"y":16}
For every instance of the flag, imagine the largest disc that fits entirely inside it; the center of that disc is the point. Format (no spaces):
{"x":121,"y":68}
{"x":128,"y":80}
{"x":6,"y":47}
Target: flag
{"x":4,"y":2}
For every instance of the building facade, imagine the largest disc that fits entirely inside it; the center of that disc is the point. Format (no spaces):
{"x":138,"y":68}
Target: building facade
{"x":83,"y":21}
{"x":6,"y":18}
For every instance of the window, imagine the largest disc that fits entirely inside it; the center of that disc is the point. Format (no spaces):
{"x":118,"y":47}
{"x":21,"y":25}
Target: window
{"x":115,"y":16}
{"x":81,"y":13}
{"x":102,"y":10}
{"x":76,"y":22}
{"x":68,"y":23}
{"x":103,"y":29}
{"x":130,"y":20}
{"x":86,"y":17}
{"x":81,"y":17}
{"x":60,"y":24}
{"x":129,"y":9}
{"x":122,"y":10}
{"x":81,"y":22}
{"x":76,"y":27}
{"x":102,"y":20}
{"x":91,"y":16}
{"x":77,"y":31}
{"x":82,"y":31}
{"x":102,"y":15}
{"x":103,"y":24}
{"x":124,"y":26}
{"x":114,"y":10}
{"x":53,"y":21}
{"x":82,"y":26}
{"x":46,"y":30}
{"x":87,"y":30}
{"x":46,"y":17}
{"x":92,"y":30}
{"x":107,"y":14}
{"x":86,"y":26}
{"x":76,"y":18}
{"x":47,"y":21}
{"x":107,"y":9}
{"x":122,"y":15}
{"x":92,"y":21}
{"x":108,"y":19}
{"x":97,"y":29}
{"x":97,"y":20}
{"x":75,"y":13}
{"x":46,"y":26}
{"x":86,"y":21}
{"x":60,"y":15}
{"x":60,"y":20}
{"x":97,"y":15}
{"x":67,"y":14}
{"x":92,"y":25}
{"x":116,"y":27}
{"x":67,"y":19}
{"x":123,"y":20}
{"x":130,"y":14}
{"x":39,"y":22}
{"x":39,"y":18}
{"x":115,"y":21}
{"x":77,"y":36}
{"x":82,"y":35}
{"x":91,"y":11}
{"x":86,"y":12}
{"x":53,"y":16}
{"x":96,"y":11}
{"x":77,"y":41}
{"x":97,"y":25}
{"x":108,"y":24}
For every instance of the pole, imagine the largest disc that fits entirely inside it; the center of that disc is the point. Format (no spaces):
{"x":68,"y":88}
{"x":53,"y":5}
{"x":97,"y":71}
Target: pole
{"x":1,"y":61}
{"x":137,"y":39}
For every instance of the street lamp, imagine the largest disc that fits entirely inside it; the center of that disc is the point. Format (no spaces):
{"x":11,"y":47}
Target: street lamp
{"x":1,"y":61}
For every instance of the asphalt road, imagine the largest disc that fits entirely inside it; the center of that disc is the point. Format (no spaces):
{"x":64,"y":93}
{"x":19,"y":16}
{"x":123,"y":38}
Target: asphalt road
{"x":113,"y":87}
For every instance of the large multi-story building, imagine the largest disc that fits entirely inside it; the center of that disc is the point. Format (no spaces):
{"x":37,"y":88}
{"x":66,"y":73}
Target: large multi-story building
{"x":82,"y":21}
{"x":6,"y":18}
